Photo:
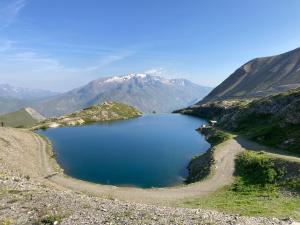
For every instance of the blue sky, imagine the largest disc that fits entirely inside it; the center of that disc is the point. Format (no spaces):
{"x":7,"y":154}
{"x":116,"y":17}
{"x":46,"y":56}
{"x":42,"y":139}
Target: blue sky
{"x":62,"y":44}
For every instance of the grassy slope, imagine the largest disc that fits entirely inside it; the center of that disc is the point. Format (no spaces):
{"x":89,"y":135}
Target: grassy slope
{"x":262,"y":187}
{"x":107,"y":111}
{"x":20,"y":118}
{"x":272,"y":127}
{"x":267,"y":196}
{"x":119,"y":109}
{"x":250,"y":201}
{"x":273,"y":121}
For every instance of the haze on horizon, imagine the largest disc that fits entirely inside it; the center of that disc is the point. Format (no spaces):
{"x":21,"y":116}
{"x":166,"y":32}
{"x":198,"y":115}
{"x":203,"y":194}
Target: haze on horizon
{"x":59,"y":45}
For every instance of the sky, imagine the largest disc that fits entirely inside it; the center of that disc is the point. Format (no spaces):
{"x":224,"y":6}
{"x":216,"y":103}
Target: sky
{"x":62,"y":44}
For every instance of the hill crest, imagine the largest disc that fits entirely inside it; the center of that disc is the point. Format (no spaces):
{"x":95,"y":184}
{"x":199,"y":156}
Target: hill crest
{"x":260,"y":77}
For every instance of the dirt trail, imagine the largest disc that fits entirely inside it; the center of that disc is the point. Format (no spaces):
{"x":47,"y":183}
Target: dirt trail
{"x":250,"y":145}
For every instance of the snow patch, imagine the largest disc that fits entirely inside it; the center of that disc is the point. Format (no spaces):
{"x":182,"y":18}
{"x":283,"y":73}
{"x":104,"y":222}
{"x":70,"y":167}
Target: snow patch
{"x":125,"y":78}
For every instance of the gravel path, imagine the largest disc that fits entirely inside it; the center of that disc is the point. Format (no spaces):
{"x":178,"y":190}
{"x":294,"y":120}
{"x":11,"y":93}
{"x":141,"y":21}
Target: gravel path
{"x":26,"y":197}
{"x":250,"y":145}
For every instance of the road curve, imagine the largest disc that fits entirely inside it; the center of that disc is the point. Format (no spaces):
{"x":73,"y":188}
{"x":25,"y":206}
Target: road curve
{"x":223,"y":172}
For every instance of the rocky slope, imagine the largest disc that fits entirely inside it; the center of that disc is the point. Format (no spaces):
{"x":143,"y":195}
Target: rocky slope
{"x":146,"y":92}
{"x":273,"y":120}
{"x":107,"y":111}
{"x":260,"y":77}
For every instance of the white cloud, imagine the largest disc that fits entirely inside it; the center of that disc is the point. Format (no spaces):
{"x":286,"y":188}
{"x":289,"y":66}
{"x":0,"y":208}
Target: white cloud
{"x":109,"y":59}
{"x":33,"y":69}
{"x":156,"y":71}
{"x":33,"y":60}
{"x":9,"y":11}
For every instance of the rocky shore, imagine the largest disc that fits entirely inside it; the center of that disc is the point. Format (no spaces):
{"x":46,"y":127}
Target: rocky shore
{"x":26,"y":202}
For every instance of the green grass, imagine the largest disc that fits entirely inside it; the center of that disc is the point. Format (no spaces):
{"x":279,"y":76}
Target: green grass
{"x":272,"y":121}
{"x":218,"y":137}
{"x":250,"y":201}
{"x":19,"y":119}
{"x":6,"y":221}
{"x":267,"y":130}
{"x":258,"y":168}
{"x":263,"y":187}
{"x":96,"y":113}
{"x":118,"y":109}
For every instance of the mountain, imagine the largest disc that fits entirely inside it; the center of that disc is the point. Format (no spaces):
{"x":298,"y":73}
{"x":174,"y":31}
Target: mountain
{"x":15,"y":98}
{"x":260,"y":77}
{"x":22,"y":118}
{"x":146,"y":92}
{"x":7,"y":90}
{"x":9,"y":104}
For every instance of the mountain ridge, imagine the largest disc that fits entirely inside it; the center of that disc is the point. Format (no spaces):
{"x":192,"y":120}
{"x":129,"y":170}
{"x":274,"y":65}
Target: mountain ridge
{"x":260,"y":77}
{"x":7,"y":90}
{"x":146,"y":92}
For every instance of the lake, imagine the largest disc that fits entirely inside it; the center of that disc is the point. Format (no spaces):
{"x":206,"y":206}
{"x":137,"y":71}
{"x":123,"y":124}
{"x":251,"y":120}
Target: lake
{"x":149,"y":151}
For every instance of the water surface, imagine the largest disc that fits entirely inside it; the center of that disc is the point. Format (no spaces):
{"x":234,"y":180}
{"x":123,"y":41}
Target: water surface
{"x":149,"y":151}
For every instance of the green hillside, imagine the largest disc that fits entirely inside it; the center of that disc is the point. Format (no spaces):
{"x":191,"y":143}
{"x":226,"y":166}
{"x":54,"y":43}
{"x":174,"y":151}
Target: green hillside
{"x":23,"y":118}
{"x":107,"y":111}
{"x":273,"y":120}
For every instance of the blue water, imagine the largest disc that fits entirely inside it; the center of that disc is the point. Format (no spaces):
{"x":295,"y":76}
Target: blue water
{"x":149,"y":151}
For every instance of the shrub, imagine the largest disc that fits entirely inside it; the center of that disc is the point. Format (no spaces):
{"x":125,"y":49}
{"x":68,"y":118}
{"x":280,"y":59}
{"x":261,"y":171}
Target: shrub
{"x":256,"y":168}
{"x":217,"y":137}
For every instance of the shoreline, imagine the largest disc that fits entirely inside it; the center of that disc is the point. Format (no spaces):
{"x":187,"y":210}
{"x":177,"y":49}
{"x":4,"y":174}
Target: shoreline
{"x":164,"y":195}
{"x":58,"y":169}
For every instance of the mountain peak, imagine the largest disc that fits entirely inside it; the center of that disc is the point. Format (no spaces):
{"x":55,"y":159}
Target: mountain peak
{"x":145,"y":77}
{"x":125,"y":77}
{"x":147,"y":92}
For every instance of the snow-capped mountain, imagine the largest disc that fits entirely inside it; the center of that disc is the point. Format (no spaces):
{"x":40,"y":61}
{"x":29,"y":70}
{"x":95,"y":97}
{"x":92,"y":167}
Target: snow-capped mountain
{"x":146,"y":92}
{"x":7,"y":90}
